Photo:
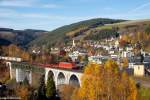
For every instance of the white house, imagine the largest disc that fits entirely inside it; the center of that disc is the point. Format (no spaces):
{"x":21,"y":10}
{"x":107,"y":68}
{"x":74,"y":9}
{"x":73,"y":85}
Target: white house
{"x":74,"y":55}
{"x":139,"y":70}
{"x":95,"y":59}
{"x":117,"y":44}
{"x":127,"y":54}
{"x":114,"y":56}
{"x":111,"y":52}
{"x":129,"y":48}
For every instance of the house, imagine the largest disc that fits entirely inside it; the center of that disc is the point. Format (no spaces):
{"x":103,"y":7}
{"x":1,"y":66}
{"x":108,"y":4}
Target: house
{"x":114,"y":56}
{"x":111,"y":51}
{"x":67,"y":49}
{"x":129,"y":48}
{"x":74,"y":55}
{"x":140,"y":65}
{"x":146,"y":60}
{"x":127,"y":54}
{"x":36,"y":51}
{"x":99,"y":59}
{"x":106,"y":47}
{"x":55,"y":50}
{"x":117,"y":44}
{"x":139,"y":70}
{"x":133,"y":60}
{"x":120,"y":49}
{"x":95,"y":59}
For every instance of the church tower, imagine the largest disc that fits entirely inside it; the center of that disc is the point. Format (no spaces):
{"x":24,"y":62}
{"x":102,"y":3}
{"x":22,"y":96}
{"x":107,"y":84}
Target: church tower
{"x":73,"y":43}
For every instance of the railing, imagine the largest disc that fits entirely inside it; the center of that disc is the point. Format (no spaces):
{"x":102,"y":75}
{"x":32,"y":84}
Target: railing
{"x":27,"y":66}
{"x":11,"y":58}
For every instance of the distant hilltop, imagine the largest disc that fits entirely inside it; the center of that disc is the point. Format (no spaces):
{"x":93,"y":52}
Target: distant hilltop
{"x":19,"y":37}
{"x":93,"y":29}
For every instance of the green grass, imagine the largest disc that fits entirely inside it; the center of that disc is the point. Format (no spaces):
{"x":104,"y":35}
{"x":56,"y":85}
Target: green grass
{"x":124,"y":24}
{"x":104,"y":27}
{"x":144,"y":93}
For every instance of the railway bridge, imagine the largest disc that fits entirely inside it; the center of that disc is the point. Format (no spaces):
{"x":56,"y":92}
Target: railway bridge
{"x":60,"y":75}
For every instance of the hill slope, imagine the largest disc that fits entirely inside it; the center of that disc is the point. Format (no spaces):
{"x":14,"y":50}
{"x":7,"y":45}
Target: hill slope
{"x":67,"y":32}
{"x":19,"y":37}
{"x":4,"y":42}
{"x":107,"y":30}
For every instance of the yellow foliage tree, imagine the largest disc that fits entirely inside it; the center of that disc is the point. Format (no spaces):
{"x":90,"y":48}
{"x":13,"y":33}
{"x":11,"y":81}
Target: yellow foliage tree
{"x":125,"y":62}
{"x":23,"y":92}
{"x":105,"y":82}
{"x":67,"y":91}
{"x":141,"y":37}
{"x":14,"y":51}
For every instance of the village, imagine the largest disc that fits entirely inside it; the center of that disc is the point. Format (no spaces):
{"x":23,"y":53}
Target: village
{"x":135,"y":64}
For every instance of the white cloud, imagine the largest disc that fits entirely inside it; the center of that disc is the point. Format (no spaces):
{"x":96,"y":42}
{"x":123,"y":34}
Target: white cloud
{"x":26,"y":3}
{"x":139,"y":12}
{"x":16,"y":3}
{"x":6,"y":13}
{"x":13,"y":14}
{"x":141,"y":7}
{"x":50,"y":6}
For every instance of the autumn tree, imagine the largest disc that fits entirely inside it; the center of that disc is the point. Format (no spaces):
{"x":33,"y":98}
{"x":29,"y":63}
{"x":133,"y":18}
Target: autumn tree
{"x":122,"y":43}
{"x":66,"y":92}
{"x":147,"y":29}
{"x":25,"y":55}
{"x":75,"y":94}
{"x":105,"y":82}
{"x":139,"y":38}
{"x":81,"y":58}
{"x":38,"y":59}
{"x":54,"y":59}
{"x":23,"y":92}
{"x":44,"y":58}
{"x":125,"y":62}
{"x":13,"y":50}
{"x":23,"y":89}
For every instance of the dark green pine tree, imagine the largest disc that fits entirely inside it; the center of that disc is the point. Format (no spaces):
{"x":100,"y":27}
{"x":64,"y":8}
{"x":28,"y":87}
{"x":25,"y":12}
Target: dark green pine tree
{"x":86,"y":59}
{"x":41,"y":90}
{"x":50,"y":88}
{"x":25,"y":81}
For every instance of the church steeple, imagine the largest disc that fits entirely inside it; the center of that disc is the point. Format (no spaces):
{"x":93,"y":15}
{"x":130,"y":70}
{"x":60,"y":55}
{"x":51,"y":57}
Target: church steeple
{"x":73,"y":43}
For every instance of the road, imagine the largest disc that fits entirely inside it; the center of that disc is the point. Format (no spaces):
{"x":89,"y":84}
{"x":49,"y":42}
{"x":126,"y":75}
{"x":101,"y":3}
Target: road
{"x":144,"y":81}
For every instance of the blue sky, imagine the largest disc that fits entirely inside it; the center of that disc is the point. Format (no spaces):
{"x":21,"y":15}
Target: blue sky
{"x":50,"y":14}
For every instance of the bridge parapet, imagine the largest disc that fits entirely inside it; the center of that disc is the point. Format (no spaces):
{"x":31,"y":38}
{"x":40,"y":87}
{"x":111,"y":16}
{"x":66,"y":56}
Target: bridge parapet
{"x":11,"y":58}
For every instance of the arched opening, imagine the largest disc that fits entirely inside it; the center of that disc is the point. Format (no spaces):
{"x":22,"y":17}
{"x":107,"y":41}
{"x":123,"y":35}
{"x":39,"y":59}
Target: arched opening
{"x":7,"y":64}
{"x":50,"y":74}
{"x":61,"y":79}
{"x":74,"y":81}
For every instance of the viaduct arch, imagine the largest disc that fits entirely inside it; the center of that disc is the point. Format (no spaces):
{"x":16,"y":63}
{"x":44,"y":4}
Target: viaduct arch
{"x":62,"y":76}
